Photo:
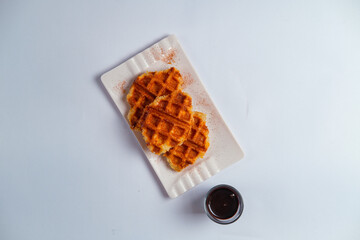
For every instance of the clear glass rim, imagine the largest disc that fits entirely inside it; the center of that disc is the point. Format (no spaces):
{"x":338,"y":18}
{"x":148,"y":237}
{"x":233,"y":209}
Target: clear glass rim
{"x":238,"y":212}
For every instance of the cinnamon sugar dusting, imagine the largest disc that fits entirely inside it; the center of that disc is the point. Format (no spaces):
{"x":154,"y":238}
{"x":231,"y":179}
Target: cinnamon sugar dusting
{"x":120,"y":87}
{"x":155,"y":54}
{"x":164,"y":56}
{"x":203,"y":102}
{"x":188,"y":80}
{"x":168,"y":57}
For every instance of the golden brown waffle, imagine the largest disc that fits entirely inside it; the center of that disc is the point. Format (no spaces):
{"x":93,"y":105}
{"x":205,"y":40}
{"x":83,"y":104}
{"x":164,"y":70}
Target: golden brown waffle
{"x":167,"y":121}
{"x":147,"y":87}
{"x":194,"y":147}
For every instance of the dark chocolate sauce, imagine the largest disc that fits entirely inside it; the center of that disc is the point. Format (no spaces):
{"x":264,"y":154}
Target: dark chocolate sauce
{"x":222,"y":203}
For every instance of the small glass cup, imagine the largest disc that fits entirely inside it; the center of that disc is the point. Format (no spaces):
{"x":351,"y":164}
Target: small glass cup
{"x":223,"y":204}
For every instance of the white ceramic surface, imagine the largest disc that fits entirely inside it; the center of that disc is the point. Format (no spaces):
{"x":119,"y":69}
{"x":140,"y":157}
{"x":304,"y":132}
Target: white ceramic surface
{"x":223,"y":150}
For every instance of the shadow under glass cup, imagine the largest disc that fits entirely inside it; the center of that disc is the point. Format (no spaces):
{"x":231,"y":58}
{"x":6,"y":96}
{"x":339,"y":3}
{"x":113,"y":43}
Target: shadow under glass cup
{"x":223,"y":204}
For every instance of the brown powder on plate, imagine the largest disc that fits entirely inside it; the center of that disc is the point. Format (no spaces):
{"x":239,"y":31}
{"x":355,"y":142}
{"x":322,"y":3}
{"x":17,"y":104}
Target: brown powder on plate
{"x":120,"y":87}
{"x":165,"y":56}
{"x":203,"y":102}
{"x":188,"y":80}
{"x":155,"y":54}
{"x":168,"y":57}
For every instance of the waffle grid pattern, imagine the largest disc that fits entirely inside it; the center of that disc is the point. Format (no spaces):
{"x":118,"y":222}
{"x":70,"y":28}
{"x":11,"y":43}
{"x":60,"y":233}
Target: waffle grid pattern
{"x":167,"y":121}
{"x":194,"y":147}
{"x":146,"y":88}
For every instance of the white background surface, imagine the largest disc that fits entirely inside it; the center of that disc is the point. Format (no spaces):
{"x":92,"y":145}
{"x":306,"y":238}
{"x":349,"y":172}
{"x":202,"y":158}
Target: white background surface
{"x":285,"y":76}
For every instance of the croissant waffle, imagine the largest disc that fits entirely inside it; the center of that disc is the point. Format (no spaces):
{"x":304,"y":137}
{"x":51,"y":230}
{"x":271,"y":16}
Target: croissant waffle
{"x":146,"y":88}
{"x":163,"y":113}
{"x":167,"y":121}
{"x":194,"y":147}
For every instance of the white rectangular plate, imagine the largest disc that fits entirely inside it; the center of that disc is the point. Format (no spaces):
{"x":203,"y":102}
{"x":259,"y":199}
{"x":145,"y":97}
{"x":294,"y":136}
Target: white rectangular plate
{"x":223,"y":150}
